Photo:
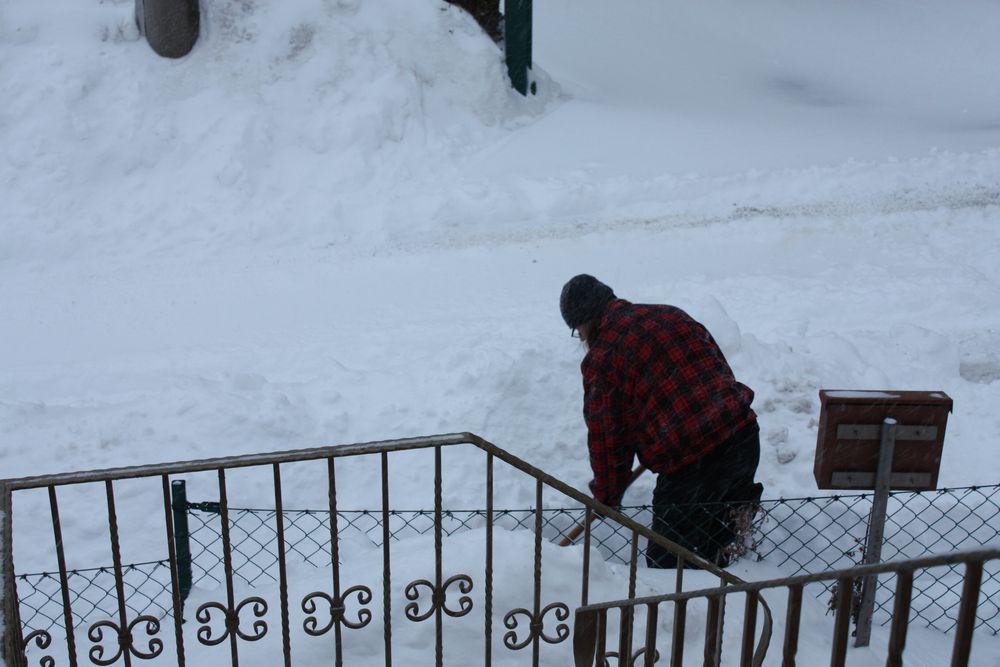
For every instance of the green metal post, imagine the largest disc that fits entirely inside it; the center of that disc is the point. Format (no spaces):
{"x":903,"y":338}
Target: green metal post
{"x":182,"y":536}
{"x":517,"y":44}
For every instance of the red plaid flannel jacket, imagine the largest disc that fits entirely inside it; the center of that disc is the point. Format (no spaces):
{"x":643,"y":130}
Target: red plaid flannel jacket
{"x":657,"y":386}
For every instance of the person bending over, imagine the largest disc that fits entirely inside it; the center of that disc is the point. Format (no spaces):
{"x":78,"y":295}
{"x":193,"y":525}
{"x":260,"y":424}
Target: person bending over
{"x":657,"y":387}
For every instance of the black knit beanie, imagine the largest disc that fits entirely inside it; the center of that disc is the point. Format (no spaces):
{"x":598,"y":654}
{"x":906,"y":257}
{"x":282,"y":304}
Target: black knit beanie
{"x":583,"y":299}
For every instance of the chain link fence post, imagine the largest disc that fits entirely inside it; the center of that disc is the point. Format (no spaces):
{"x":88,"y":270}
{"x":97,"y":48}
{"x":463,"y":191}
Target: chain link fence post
{"x":182,"y":536}
{"x":517,"y":44}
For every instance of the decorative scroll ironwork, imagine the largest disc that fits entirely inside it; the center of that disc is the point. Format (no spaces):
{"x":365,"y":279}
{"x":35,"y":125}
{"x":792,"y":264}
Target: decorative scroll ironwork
{"x":212,"y":630}
{"x":439,"y":598}
{"x":232,"y":617}
{"x":634,"y":661}
{"x":338,"y":607}
{"x":536,"y":626}
{"x":42,"y":640}
{"x":126,"y":642}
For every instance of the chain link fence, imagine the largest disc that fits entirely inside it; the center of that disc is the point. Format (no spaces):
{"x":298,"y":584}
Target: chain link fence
{"x":92,"y":594}
{"x":796,"y":536}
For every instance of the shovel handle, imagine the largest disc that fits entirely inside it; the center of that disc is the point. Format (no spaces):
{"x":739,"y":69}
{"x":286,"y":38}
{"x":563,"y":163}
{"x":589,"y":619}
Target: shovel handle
{"x":578,"y":528}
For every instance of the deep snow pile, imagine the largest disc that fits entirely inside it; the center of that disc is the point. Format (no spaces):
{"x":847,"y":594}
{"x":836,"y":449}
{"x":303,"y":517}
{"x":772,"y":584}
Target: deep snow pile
{"x":334,"y":222}
{"x":275,"y":129}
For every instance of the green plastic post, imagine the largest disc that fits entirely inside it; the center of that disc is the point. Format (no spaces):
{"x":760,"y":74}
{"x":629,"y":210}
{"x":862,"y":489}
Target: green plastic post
{"x":517,"y":43}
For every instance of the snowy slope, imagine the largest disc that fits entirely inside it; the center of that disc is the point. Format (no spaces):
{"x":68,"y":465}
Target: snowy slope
{"x":333,"y":222}
{"x":301,"y":232}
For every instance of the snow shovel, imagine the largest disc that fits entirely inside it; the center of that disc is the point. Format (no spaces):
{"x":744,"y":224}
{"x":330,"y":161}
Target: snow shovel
{"x":578,"y":528}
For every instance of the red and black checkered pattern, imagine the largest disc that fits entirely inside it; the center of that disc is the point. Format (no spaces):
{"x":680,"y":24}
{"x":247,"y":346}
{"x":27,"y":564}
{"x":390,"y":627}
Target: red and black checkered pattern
{"x":657,"y":386}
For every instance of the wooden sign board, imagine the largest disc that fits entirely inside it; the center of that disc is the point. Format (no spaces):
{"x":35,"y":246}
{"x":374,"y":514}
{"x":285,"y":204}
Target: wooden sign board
{"x":847,"y":447}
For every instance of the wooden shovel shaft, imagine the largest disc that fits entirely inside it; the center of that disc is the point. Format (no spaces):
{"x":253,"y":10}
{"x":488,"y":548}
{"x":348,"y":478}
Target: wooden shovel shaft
{"x":578,"y":528}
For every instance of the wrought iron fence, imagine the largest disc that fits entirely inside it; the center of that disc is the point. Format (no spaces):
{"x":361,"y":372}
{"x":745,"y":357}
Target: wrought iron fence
{"x":798,"y":536}
{"x":591,"y":623}
{"x":128,"y":611}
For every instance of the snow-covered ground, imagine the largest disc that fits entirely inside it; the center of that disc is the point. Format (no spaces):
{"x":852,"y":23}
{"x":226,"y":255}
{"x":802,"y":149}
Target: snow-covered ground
{"x":333,"y":222}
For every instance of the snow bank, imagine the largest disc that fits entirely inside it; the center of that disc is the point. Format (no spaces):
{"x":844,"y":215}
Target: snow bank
{"x":333,"y":222}
{"x":718,"y":86}
{"x":464,"y":554}
{"x":282,"y":115}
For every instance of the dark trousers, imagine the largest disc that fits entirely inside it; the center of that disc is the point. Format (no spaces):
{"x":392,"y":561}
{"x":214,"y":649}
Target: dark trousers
{"x":693,"y":507}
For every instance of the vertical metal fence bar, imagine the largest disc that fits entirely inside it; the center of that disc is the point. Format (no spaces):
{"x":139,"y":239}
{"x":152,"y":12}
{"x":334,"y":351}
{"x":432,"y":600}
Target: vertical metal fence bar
{"x":876,"y":531}
{"x":633,"y":564}
{"x":7,"y":649}
{"x":386,"y":570}
{"x":175,"y":588}
{"x":182,"y":537}
{"x":900,"y":618}
{"x":624,"y":640}
{"x":712,"y":631}
{"x":536,"y":610}
{"x":602,"y":638}
{"x":680,"y":575}
{"x":63,"y":577}
{"x":585,"y":584}
{"x":12,"y":641}
{"x":489,"y":562}
{"x":842,"y":622}
{"x":227,"y":560}
{"x":116,"y":557}
{"x":793,"y":618}
{"x":651,"y":621}
{"x":967,"y":613}
{"x":720,"y":630}
{"x":18,"y":647}
{"x":331,"y":477}
{"x":279,"y":519}
{"x":438,"y":592}
{"x":749,"y":629}
{"x":677,"y":647}
{"x":628,"y":611}
{"x":584,"y":638}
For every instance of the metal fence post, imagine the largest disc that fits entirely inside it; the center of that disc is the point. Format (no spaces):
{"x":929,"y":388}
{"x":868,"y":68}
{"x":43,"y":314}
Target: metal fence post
{"x":517,"y":44}
{"x":182,"y":536}
{"x":876,"y":531}
{"x":6,"y":654}
{"x":11,"y":652}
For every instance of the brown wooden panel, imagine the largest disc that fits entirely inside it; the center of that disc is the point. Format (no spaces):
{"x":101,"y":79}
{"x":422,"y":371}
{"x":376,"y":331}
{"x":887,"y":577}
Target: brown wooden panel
{"x":860,"y":455}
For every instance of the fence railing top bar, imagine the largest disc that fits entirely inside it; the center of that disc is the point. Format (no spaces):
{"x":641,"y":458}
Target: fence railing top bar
{"x":603,"y":510}
{"x":242,"y":461}
{"x":377,"y":447}
{"x":980,"y":555}
{"x":852,"y":496}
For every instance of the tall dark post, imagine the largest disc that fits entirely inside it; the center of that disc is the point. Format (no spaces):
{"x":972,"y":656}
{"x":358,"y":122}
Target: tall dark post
{"x":182,"y":536}
{"x":170,"y":26}
{"x":876,"y":530}
{"x":6,"y":641}
{"x":517,"y":44}
{"x":10,"y":643}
